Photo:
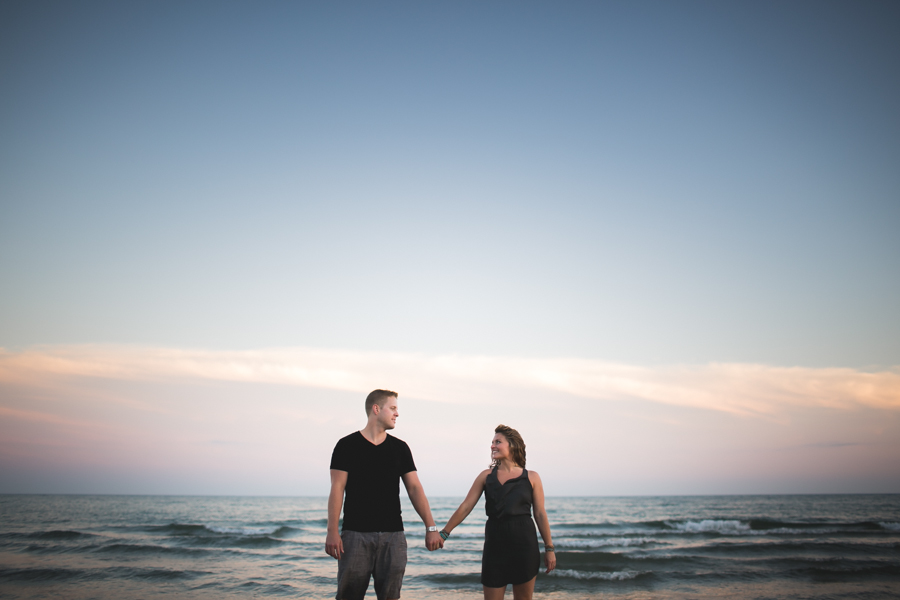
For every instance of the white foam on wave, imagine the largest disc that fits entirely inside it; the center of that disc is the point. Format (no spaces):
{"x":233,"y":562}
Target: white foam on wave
{"x":244,"y":530}
{"x":790,"y":531}
{"x":891,"y":526}
{"x":608,"y":576}
{"x":712,"y":526}
{"x":606,"y":542}
{"x":740,"y":528}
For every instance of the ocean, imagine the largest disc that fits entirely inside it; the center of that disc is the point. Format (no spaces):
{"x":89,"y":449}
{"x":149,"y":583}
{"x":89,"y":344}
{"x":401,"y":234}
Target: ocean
{"x":130,"y":547}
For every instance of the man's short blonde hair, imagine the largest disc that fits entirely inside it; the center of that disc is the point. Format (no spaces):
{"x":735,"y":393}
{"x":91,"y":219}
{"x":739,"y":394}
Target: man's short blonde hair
{"x":378,"y":397}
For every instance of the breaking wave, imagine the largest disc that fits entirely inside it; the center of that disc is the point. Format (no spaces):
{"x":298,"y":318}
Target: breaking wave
{"x":607,"y":576}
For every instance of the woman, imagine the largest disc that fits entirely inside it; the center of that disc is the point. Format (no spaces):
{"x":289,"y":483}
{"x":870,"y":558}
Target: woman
{"x":511,"y":554}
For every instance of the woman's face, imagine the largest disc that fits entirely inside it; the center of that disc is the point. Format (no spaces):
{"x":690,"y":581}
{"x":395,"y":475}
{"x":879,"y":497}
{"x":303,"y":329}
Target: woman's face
{"x":499,"y":447}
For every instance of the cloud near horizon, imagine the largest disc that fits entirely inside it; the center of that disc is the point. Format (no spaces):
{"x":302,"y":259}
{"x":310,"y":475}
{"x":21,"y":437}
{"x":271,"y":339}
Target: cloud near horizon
{"x":736,"y":388}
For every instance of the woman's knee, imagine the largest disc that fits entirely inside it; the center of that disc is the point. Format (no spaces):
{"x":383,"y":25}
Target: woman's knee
{"x":524,"y":591}
{"x":493,"y":593}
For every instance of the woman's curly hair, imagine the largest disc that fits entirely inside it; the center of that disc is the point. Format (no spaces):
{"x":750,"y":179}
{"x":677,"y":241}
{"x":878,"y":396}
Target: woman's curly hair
{"x":516,"y":445}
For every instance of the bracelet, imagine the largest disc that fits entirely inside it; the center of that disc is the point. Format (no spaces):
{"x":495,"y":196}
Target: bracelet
{"x":549,"y":549}
{"x":444,"y":535}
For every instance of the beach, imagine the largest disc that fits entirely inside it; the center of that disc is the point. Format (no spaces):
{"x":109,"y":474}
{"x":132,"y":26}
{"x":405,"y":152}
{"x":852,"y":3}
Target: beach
{"x":105,"y":547}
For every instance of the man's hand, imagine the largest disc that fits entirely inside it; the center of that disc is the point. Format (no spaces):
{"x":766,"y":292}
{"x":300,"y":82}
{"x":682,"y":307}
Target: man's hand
{"x":433,"y":540}
{"x":334,"y":545}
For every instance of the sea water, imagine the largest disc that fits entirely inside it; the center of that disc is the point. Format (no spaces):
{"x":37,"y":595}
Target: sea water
{"x":122,"y":547}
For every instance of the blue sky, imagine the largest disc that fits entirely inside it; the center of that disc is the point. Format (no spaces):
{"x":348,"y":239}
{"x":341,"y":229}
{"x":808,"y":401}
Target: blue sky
{"x":660,"y":185}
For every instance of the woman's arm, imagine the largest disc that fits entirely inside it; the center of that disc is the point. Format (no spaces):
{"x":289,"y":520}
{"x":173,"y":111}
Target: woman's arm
{"x":540,"y":517}
{"x":469,"y":503}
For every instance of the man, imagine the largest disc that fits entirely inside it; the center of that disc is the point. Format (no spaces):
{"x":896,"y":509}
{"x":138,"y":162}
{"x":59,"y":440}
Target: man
{"x":368,"y":465}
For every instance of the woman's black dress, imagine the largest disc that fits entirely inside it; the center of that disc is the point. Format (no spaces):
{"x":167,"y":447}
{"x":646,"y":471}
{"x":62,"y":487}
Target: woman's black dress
{"x":511,"y":554}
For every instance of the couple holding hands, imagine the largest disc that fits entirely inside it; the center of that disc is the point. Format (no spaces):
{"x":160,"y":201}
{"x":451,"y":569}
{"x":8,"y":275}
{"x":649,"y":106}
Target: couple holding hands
{"x":366,"y":467}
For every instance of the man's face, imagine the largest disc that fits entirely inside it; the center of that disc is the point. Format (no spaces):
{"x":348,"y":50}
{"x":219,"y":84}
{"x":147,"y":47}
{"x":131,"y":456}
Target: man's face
{"x":388,"y":413}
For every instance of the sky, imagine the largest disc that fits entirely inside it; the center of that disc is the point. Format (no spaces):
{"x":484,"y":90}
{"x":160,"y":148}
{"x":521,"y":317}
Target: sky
{"x":658,"y":238}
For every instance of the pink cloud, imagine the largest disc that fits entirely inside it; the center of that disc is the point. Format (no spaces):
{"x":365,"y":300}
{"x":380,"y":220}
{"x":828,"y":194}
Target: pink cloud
{"x":744,"y":389}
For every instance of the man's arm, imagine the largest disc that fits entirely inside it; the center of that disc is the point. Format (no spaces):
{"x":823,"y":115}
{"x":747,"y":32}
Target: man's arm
{"x":416,"y":494}
{"x":334,"y":546}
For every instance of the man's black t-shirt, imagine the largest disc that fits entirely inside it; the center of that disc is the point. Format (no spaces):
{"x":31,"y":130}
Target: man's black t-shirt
{"x":372,"y":501}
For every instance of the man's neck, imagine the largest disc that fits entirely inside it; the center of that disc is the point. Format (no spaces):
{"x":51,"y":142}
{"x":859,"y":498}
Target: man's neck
{"x":374,"y":432}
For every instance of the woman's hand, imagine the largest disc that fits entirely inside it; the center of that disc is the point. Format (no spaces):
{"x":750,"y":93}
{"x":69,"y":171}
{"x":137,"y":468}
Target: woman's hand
{"x":550,"y":560}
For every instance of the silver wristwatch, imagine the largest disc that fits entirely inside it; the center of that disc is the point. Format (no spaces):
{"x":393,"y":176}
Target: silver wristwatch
{"x":432,"y":528}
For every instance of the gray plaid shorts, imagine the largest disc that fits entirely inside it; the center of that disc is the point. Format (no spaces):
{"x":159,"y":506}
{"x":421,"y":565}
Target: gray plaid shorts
{"x":378,"y":554}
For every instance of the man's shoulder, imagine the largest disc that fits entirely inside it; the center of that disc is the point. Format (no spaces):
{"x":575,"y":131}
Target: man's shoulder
{"x":396,"y":441}
{"x":352,"y":438}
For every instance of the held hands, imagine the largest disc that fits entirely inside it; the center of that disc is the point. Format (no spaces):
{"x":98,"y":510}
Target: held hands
{"x":433,"y":540}
{"x":334,"y":545}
